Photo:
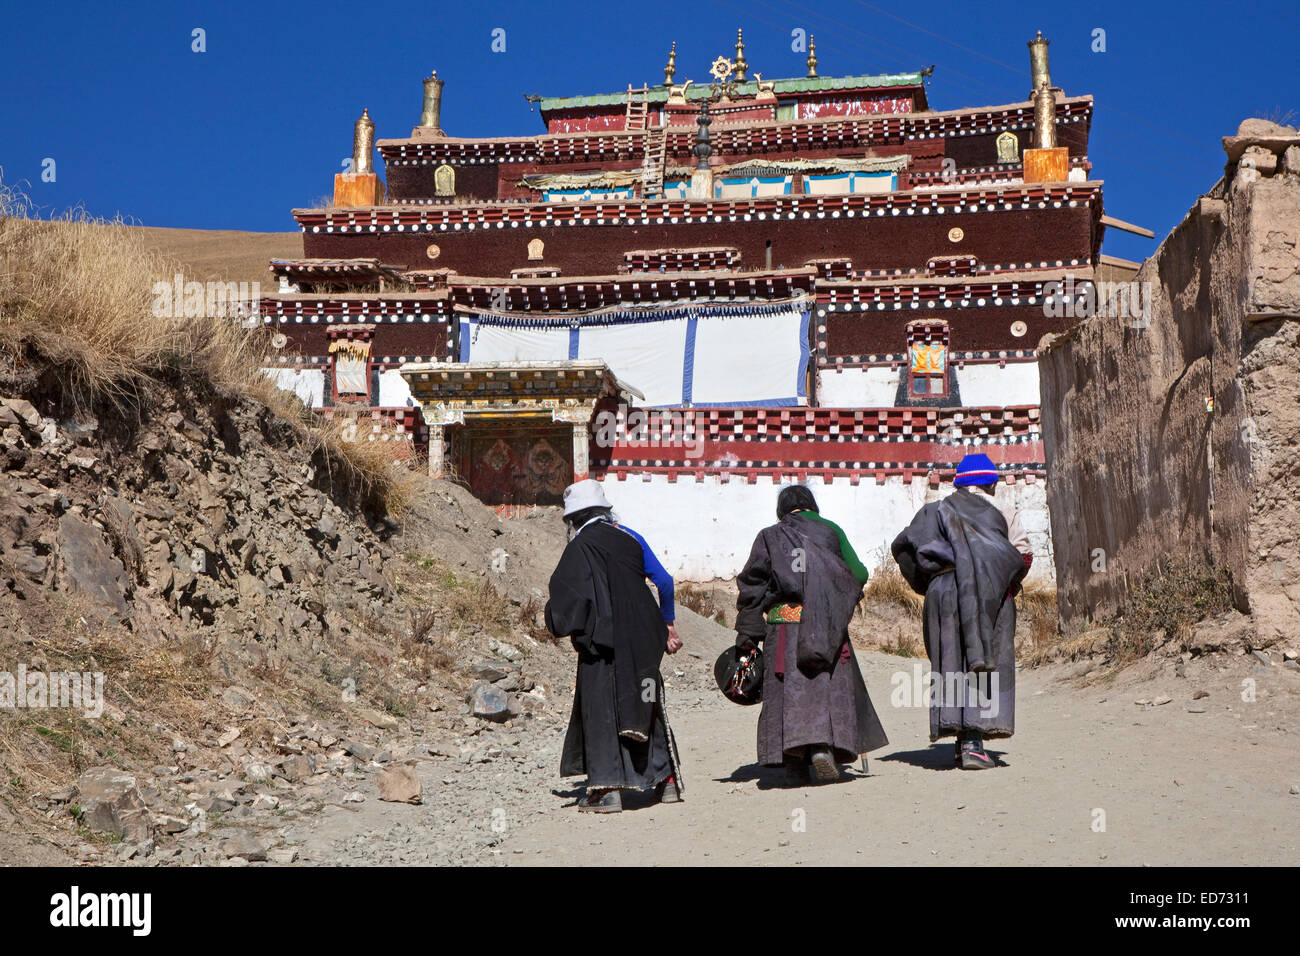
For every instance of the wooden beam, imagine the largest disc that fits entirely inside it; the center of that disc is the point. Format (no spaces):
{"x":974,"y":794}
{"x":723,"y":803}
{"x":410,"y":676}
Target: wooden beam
{"x":1123,"y":226}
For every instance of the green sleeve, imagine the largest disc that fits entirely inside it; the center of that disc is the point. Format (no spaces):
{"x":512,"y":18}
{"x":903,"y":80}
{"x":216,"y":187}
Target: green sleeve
{"x":846,"y":550}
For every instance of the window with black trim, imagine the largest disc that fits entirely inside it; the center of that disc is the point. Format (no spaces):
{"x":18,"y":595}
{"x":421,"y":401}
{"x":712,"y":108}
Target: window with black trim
{"x":927,"y":354}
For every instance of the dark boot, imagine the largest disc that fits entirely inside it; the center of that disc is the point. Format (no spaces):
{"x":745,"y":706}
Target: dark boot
{"x":824,"y":767}
{"x":796,"y":770}
{"x":668,"y":791}
{"x":601,"y":801}
{"x":973,"y":756}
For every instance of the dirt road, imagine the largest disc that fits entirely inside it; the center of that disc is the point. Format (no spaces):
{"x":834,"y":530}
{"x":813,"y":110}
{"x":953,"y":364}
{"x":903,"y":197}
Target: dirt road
{"x":1091,"y":778}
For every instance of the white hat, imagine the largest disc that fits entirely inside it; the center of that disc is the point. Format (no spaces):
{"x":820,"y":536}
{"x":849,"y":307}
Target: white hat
{"x":584,"y":494}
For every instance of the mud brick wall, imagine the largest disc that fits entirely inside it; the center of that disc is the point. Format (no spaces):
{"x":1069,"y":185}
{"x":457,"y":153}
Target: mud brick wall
{"x":1140,"y":469}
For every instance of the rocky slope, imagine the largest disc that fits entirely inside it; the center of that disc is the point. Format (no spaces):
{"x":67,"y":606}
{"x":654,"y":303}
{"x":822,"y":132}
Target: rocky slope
{"x":269,"y":639}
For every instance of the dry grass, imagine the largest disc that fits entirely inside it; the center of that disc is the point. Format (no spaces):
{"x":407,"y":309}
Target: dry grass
{"x":1038,"y":630}
{"x":78,"y":294}
{"x":158,"y":686}
{"x":706,"y":602}
{"x":1163,"y":608}
{"x":903,"y":646}
{"x":888,"y":586}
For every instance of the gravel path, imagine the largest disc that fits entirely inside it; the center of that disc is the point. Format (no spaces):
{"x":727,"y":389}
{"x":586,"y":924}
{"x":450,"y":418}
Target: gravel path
{"x":1091,"y":778}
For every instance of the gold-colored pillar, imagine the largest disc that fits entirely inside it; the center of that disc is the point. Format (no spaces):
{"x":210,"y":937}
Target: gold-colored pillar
{"x":431,"y":116}
{"x":1045,"y":162}
{"x":362,"y":186}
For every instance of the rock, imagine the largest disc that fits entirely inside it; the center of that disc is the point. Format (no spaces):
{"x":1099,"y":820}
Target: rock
{"x":1295,"y":789}
{"x":1291,"y":665}
{"x":1262,"y":657}
{"x":1200,"y":694}
{"x":490,"y":670}
{"x":298,"y":767}
{"x":1162,"y":699}
{"x":213,"y":803}
{"x":1290,"y":655}
{"x":24,"y":410}
{"x":111,"y":803}
{"x":489,"y":702}
{"x":400,"y":785}
{"x":1258,"y":132}
{"x":363,"y":752}
{"x":282,"y":855}
{"x":377,"y":719}
{"x":229,"y":737}
{"x":507,"y":651}
{"x":1195,"y":709}
{"x":90,"y":566}
{"x":169,"y":824}
{"x":237,"y":699}
{"x":249,"y":846}
{"x":1291,"y":160}
{"x":354,"y":797}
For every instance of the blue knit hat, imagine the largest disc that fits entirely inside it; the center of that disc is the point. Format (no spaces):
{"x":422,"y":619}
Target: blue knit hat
{"x":976,"y":470}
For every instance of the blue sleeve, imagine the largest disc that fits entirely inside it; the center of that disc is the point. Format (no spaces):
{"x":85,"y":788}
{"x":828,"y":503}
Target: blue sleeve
{"x":663,"y":581}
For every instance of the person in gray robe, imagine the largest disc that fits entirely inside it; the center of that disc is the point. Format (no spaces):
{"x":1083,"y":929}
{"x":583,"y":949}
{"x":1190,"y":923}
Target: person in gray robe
{"x":957,"y":554}
{"x":797,"y":593}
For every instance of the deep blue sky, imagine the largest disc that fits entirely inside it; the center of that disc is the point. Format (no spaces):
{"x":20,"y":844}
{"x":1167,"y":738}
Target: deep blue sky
{"x":235,"y":137}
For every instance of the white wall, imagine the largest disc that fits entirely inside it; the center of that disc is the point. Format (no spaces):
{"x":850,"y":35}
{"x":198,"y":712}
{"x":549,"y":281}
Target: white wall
{"x":393,"y":390}
{"x":308,"y":384}
{"x":704,"y":530}
{"x":873,"y":387}
{"x":987,"y":384}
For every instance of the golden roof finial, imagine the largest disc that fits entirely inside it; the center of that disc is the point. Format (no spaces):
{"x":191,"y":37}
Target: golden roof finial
{"x":671,"y":69}
{"x":812,"y":56}
{"x":741,"y":65}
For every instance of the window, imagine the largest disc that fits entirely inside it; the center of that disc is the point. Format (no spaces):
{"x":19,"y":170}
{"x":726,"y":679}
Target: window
{"x":927,"y":352}
{"x":351,"y":368}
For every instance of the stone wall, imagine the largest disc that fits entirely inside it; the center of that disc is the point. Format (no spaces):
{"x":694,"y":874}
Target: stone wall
{"x":1172,"y":435}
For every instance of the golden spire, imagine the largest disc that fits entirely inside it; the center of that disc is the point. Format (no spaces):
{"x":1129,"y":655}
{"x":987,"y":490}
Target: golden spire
{"x":741,"y":65}
{"x":671,"y":69}
{"x":812,"y":57}
{"x":363,"y":143}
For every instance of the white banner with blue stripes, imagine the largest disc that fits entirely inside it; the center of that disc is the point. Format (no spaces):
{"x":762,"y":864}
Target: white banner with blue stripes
{"x":697,"y":355}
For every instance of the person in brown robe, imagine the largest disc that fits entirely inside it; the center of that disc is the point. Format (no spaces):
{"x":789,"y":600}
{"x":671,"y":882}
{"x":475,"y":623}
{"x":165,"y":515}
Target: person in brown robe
{"x":798,"y":591}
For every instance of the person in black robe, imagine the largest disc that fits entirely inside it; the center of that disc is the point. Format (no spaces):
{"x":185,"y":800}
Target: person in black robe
{"x":797,"y":594}
{"x":957,"y":554}
{"x":618,"y":733}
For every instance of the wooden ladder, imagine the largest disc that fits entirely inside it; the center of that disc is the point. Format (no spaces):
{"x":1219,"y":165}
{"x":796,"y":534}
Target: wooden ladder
{"x":653,"y":171}
{"x":637,"y":112}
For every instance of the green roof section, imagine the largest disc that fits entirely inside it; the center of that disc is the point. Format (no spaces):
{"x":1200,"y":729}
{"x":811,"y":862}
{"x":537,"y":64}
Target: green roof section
{"x":814,"y":84}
